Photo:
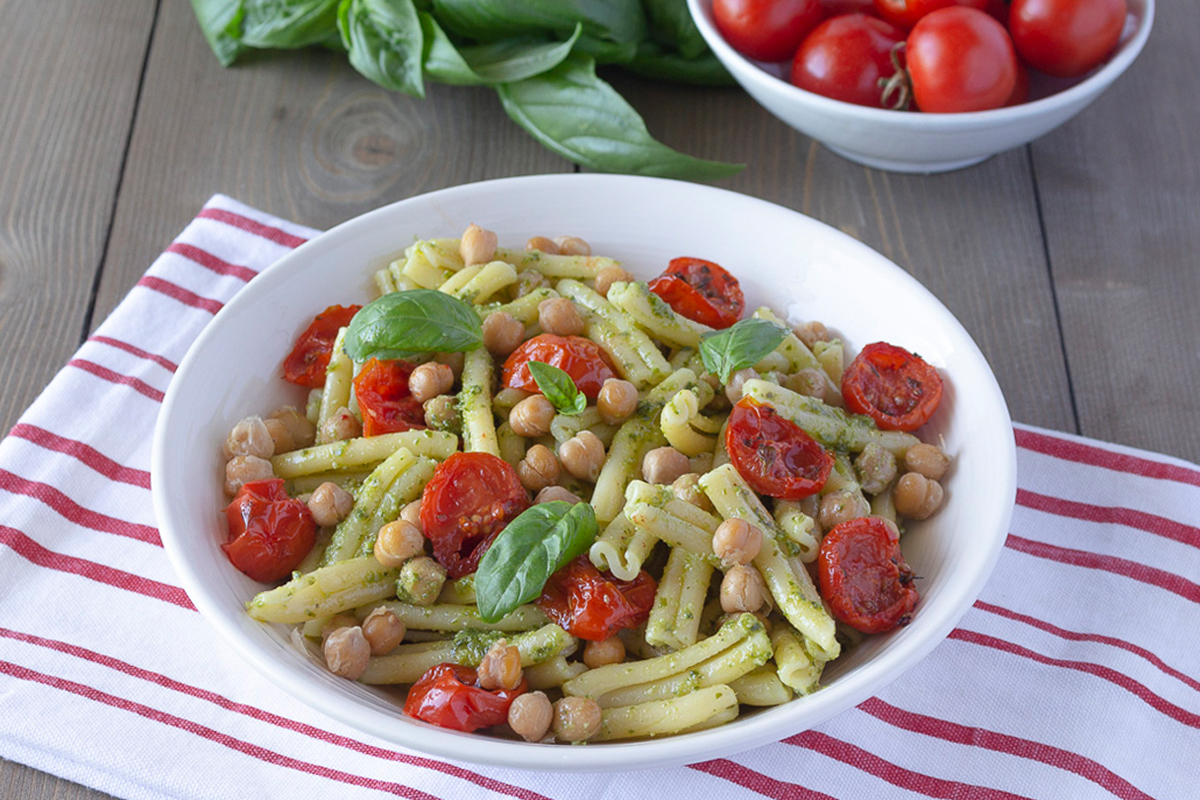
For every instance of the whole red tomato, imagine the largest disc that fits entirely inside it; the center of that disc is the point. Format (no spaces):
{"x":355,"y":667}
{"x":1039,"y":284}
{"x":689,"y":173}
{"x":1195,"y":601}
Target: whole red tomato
{"x":269,"y":532}
{"x":1066,"y":37}
{"x":384,"y":400}
{"x":774,"y":455}
{"x":593,"y":605}
{"x":305,"y":365}
{"x":960,"y":59}
{"x":582,"y":359}
{"x":847,"y":57}
{"x":465,"y":505}
{"x":906,"y":13}
{"x":449,"y":696}
{"x":836,"y":7}
{"x":766,"y":30}
{"x":897,"y":389}
{"x":703,"y":291}
{"x":863,"y":576}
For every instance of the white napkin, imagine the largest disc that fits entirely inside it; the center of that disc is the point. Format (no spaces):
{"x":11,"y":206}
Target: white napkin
{"x":1074,"y":676}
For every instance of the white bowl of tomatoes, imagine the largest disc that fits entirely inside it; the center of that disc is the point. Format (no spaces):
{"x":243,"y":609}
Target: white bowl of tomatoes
{"x":924,"y":85}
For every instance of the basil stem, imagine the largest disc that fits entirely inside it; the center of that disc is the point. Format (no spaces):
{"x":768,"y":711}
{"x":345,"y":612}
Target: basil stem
{"x":403,"y":324}
{"x":559,"y":388}
{"x":741,"y":345}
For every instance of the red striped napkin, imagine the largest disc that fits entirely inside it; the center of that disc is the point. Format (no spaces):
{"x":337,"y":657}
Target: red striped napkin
{"x":1075,"y":675}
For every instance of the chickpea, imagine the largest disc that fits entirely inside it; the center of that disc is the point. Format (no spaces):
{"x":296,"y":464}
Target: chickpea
{"x":347,"y":652}
{"x":576,"y":719}
{"x":559,"y":316}
{"x":530,"y":716}
{"x":528,"y":280}
{"x":553,"y":493}
{"x":734,"y":390}
{"x":840,"y":506}
{"x":602,"y":653}
{"x":572,"y":246}
{"x":876,"y":468}
{"x":383,"y":631}
{"x":454,"y":361}
{"x":543,"y":244}
{"x":742,"y":589}
{"x":617,"y":400}
{"x":341,"y":426}
{"x":336,"y":622}
{"x":477,"y":245}
{"x":687,"y":488}
{"x":736,"y":541}
{"x":429,"y":380}
{"x":539,"y":468}
{"x":330,"y":504}
{"x":397,"y":542}
{"x":441,"y":413}
{"x":928,"y":460}
{"x":250,"y":437}
{"x":502,"y":333}
{"x":664,"y":465}
{"x":500,"y":667}
{"x":420,"y":581}
{"x":813,"y":382}
{"x":411,"y":514}
{"x":241,"y":470}
{"x":582,"y":455}
{"x":532,"y":416}
{"x":916,"y":496}
{"x":281,"y":437}
{"x":302,"y":431}
{"x":607,"y":276}
{"x":812,"y":332}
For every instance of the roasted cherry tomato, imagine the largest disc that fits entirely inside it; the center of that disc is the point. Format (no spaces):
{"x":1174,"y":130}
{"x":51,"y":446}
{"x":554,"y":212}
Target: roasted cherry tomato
{"x":906,"y":13}
{"x":582,"y":359}
{"x":702,"y":291}
{"x":467,"y":502}
{"x":1066,"y":37}
{"x":449,"y":696}
{"x":594,"y":605}
{"x":848,"y":58}
{"x":774,"y":455}
{"x":897,"y":389}
{"x":766,"y":30}
{"x":384,"y":400}
{"x":269,"y":532}
{"x":306,"y":364}
{"x":863,"y":576}
{"x":960,"y":59}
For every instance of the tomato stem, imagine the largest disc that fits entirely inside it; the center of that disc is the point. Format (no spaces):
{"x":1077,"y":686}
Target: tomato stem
{"x":896,"y":90}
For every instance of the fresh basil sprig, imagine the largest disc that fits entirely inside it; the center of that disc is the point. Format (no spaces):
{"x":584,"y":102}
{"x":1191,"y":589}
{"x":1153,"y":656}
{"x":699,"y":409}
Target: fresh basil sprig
{"x":559,"y":388}
{"x":741,"y":345}
{"x":403,"y":324}
{"x":528,"y":551}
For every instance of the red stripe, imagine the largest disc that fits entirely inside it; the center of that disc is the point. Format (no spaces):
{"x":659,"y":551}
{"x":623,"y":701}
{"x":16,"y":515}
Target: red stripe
{"x":1074,"y":636}
{"x":1098,"y":457}
{"x":1117,"y":566}
{"x":1180,"y":715}
{"x":252,"y":226}
{"x":23,"y":546}
{"x":83,"y":453}
{"x":137,"y":351}
{"x":210,"y":262}
{"x":73,"y":512}
{"x":1111,"y":515}
{"x":266,"y":716}
{"x":1003,"y":743}
{"x":179,"y":293}
{"x":757,"y":782}
{"x":872,"y":764}
{"x":203,"y":731}
{"x":139,"y":386}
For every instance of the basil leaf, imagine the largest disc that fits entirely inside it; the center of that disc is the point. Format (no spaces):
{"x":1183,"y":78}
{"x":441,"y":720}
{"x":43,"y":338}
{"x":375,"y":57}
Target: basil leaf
{"x":671,"y":24}
{"x":655,"y":61}
{"x":741,"y":345}
{"x":559,"y":388}
{"x":384,"y":42}
{"x":402,"y":324}
{"x":528,"y":551}
{"x":492,"y":20}
{"x":577,"y":115}
{"x":221,"y":21}
{"x":499,"y":62}
{"x":287,"y":23}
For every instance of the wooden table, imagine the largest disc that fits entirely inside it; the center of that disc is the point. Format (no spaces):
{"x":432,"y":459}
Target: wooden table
{"x":1071,"y":261}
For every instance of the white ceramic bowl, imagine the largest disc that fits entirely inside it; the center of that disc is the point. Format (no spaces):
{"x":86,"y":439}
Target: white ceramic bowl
{"x":797,"y":265}
{"x":918,"y":142}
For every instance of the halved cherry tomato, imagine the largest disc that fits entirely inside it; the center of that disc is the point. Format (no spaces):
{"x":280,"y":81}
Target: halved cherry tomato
{"x":848,"y":58}
{"x":863,"y":576}
{"x":702,"y":291}
{"x":774,"y":455}
{"x":384,"y":400}
{"x":449,"y":696}
{"x":465,"y":505}
{"x":906,"y":13}
{"x":897,"y":389}
{"x":305,"y":365}
{"x":960,"y":59}
{"x":766,"y":30}
{"x":269,"y":532}
{"x":582,"y":359}
{"x":594,"y":605}
{"x":1066,"y":37}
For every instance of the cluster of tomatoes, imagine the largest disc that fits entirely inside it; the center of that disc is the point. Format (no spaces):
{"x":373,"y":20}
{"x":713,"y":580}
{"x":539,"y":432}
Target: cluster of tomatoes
{"x":942,"y":56}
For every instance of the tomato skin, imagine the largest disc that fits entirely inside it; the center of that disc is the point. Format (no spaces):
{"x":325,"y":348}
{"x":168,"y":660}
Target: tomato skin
{"x":593,"y":605}
{"x":582,"y":359}
{"x":449,"y":696}
{"x":1066,"y":37}
{"x":863,"y":576}
{"x":381,"y":387}
{"x":846,"y":57}
{"x":306,"y":364}
{"x":465,"y":505}
{"x":835,"y":7}
{"x":703,"y":291}
{"x":269,"y":532}
{"x":766,"y":30}
{"x":897,"y":389}
{"x":960,"y":59}
{"x":906,"y":13}
{"x":774,"y":455}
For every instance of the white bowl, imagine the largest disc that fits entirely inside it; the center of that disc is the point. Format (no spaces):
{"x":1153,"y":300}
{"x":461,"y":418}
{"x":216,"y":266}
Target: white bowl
{"x":795,"y":264}
{"x":919,"y":142}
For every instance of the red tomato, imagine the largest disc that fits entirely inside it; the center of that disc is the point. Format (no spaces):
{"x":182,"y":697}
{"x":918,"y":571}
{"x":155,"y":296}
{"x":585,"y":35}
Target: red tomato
{"x":1020,"y":93}
{"x":582,"y":359}
{"x":1066,"y":37}
{"x":593,"y":605}
{"x":960,"y":59}
{"x":774,"y":455}
{"x":702,"y":291}
{"x":897,"y":389}
{"x":863,"y":576}
{"x":306,"y":364}
{"x":269,"y":532}
{"x":766,"y":30}
{"x":467,"y":502}
{"x":847,"y":57}
{"x":906,"y":13}
{"x":449,"y":696}
{"x":835,"y":7}
{"x":383,"y":398}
